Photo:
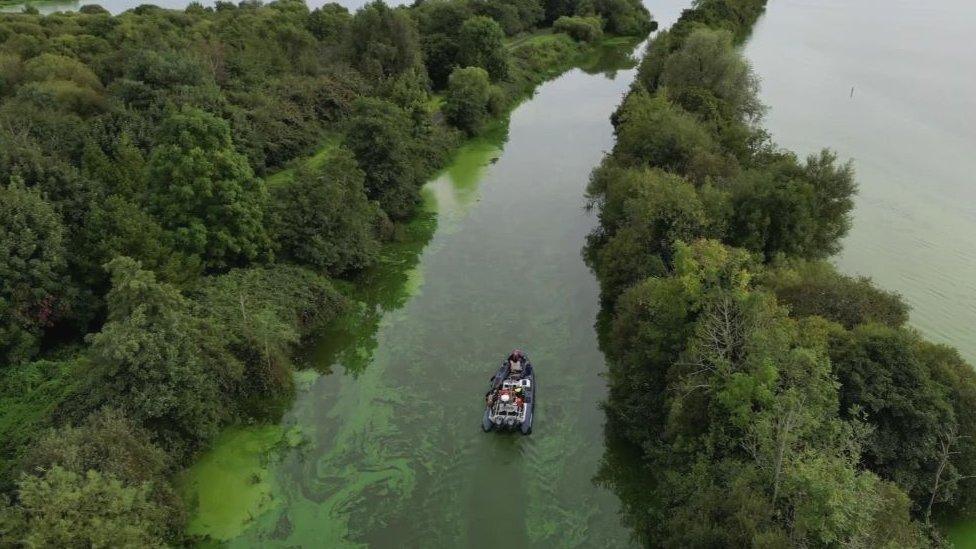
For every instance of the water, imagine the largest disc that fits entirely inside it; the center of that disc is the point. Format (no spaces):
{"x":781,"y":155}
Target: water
{"x":910,"y":128}
{"x":385,"y":448}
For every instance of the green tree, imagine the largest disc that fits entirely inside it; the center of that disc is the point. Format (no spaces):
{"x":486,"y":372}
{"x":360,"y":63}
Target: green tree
{"x":67,"y":509}
{"x":149,"y":361}
{"x":816,"y":288}
{"x":258,"y":315}
{"x":584,"y":29}
{"x":657,"y":210}
{"x":330,"y":23}
{"x":710,"y":77}
{"x":882,"y":374}
{"x":379,"y":135}
{"x":652,"y":131}
{"x":792,"y":209}
{"x":383,"y":41}
{"x":466,"y":102}
{"x":32,"y":269}
{"x":482,"y":44}
{"x":204,"y":192}
{"x":323,"y":218}
{"x":624,"y":17}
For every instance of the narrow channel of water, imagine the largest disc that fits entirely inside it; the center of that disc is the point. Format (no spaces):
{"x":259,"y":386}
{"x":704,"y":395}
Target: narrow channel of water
{"x":385,"y":447}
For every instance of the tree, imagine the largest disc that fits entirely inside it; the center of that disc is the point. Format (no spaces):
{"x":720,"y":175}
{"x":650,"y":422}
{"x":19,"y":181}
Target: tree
{"x":466,"y":103}
{"x":256,"y":316}
{"x":881,"y":373}
{"x":816,"y":288}
{"x":791,"y":209}
{"x":32,"y":269}
{"x":652,"y":131}
{"x":330,"y":23}
{"x":481,"y":44}
{"x":204,"y":192}
{"x":67,"y":509}
{"x":379,"y":135}
{"x":659,"y":210}
{"x":707,"y":73}
{"x":383,"y":41}
{"x":323,"y":218}
{"x":440,"y":24}
{"x":107,"y":442}
{"x":583,"y":29}
{"x":624,"y":17}
{"x":149,"y":361}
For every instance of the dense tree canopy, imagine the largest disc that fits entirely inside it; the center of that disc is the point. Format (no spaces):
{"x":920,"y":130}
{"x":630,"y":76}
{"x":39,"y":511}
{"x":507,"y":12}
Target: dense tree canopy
{"x":481,"y":46}
{"x":32,"y":269}
{"x":149,"y":360}
{"x":324,"y":219}
{"x":205,"y":192}
{"x":178,"y":190}
{"x":775,"y":401}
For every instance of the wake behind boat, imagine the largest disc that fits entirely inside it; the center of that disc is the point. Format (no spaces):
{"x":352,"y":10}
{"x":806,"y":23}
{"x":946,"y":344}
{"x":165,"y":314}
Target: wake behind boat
{"x":510,"y":400}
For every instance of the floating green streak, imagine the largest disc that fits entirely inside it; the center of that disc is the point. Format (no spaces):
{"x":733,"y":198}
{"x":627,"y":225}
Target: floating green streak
{"x":227,"y":487}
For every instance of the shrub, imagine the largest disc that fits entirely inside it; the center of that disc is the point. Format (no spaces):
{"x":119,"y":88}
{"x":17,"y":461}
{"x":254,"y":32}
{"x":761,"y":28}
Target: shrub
{"x":468,"y":94}
{"x":584,"y":29}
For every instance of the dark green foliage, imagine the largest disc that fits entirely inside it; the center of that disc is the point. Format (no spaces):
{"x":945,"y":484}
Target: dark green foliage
{"x":32,"y":267}
{"x":67,"y":509}
{"x":30,"y":393}
{"x":815,"y":288}
{"x":585,"y":29}
{"x":883,"y":376}
{"x":645,"y":214}
{"x":651,"y":131}
{"x":112,"y":445}
{"x":383,"y":41}
{"x":623,"y":17}
{"x":440,"y":26}
{"x":257,"y":316}
{"x":466,"y":101}
{"x":481,"y":45}
{"x":150,"y":363}
{"x":204,"y":191}
{"x":514,"y":16}
{"x":709,"y":77}
{"x":379,"y":135}
{"x":107,"y":442}
{"x":775,"y":401}
{"x":786,"y":208}
{"x":323,"y":218}
{"x":330,"y":23}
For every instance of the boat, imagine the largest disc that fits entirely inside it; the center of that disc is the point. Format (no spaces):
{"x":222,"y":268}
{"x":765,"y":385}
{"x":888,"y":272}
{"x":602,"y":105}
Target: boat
{"x":510,"y":400}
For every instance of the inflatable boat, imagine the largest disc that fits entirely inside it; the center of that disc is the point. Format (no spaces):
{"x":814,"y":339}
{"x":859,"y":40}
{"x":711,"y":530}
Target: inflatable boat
{"x":510,"y":400}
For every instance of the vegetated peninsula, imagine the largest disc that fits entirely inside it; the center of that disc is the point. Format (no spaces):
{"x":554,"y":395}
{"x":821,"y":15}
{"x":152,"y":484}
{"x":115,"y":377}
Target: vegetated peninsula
{"x":181,"y":195}
{"x":772,"y":401}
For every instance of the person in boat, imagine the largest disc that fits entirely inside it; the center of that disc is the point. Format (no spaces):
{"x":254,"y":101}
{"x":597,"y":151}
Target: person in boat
{"x":519,"y":397}
{"x":516,"y":363}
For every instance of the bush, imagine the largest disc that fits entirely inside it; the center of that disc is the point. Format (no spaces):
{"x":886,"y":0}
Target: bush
{"x":584,"y":29}
{"x":323,"y":218}
{"x":468,"y":95}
